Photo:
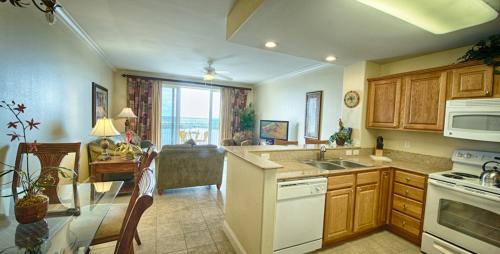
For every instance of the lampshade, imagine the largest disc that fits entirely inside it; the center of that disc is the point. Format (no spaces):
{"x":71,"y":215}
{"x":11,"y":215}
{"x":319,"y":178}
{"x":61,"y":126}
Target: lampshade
{"x":127,"y":113}
{"x":437,"y":16}
{"x":104,"y":128}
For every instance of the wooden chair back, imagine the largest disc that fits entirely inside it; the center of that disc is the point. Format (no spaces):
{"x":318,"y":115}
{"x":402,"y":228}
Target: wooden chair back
{"x":49,"y":155}
{"x":148,"y":157}
{"x":141,"y":199}
{"x":285,"y":142}
{"x":317,"y":141}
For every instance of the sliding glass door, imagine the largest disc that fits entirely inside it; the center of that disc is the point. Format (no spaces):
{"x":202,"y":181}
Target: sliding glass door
{"x":190,"y":113}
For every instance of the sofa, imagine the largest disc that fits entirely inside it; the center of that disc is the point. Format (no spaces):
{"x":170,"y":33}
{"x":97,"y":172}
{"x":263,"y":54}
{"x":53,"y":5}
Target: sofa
{"x":187,"y":165}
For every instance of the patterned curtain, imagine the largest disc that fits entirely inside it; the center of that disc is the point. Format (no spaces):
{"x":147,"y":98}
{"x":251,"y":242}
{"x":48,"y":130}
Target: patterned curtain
{"x":140,"y":99}
{"x":233,"y":100}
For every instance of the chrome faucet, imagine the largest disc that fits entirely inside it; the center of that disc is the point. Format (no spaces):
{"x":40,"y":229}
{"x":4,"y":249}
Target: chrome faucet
{"x":322,"y":151}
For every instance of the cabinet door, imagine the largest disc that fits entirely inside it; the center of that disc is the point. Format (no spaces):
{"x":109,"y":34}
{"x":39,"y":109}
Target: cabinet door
{"x":385,"y":186}
{"x":425,"y":98}
{"x":473,"y":81}
{"x":365,"y":216}
{"x":338,"y":214}
{"x":384,"y":97}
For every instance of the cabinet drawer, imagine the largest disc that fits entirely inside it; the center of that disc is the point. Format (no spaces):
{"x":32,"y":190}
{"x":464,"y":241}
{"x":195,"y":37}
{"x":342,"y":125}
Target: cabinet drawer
{"x":340,"y":182}
{"x":409,"y":192}
{"x":410,"y":179}
{"x":368,"y":177}
{"x":407,"y":206}
{"x":405,"y":223}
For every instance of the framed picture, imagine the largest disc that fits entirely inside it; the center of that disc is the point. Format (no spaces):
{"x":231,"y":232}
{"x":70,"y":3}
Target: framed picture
{"x":271,"y":130}
{"x":99,"y":102}
{"x":313,"y":114}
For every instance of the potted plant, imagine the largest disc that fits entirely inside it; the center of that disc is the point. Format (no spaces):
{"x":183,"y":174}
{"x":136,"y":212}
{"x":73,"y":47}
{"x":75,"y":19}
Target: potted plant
{"x":247,"y":123}
{"x":343,"y":136}
{"x":486,"y":50}
{"x":33,"y":206}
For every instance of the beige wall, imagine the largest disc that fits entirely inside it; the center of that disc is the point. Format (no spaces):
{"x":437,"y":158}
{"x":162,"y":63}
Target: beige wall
{"x":427,"y":143}
{"x":49,"y":70}
{"x":284,"y":99}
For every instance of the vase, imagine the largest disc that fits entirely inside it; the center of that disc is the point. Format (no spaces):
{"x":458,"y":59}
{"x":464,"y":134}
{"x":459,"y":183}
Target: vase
{"x":340,"y":142}
{"x":26,"y":214}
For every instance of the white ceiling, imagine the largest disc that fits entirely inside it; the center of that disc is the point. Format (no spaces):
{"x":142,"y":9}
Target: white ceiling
{"x":176,"y":37}
{"x":348,"y":29}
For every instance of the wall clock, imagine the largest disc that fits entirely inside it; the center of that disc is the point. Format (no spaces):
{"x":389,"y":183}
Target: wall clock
{"x":351,"y":99}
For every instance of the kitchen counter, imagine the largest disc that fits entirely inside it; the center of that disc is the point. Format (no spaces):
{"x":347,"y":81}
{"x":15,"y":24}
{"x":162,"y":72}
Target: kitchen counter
{"x":296,"y":169}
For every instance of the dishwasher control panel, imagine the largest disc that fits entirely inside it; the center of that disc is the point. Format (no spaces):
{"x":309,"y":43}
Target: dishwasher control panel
{"x":301,"y":188}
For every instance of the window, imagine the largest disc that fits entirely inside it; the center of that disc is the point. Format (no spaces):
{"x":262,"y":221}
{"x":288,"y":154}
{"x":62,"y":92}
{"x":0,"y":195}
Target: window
{"x":190,"y":113}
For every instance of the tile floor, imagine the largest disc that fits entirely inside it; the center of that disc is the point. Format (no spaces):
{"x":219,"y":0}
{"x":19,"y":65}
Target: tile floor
{"x":190,"y":221}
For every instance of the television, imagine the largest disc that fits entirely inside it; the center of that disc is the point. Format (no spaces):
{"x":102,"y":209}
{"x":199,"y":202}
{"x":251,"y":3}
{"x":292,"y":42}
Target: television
{"x":271,"y":129}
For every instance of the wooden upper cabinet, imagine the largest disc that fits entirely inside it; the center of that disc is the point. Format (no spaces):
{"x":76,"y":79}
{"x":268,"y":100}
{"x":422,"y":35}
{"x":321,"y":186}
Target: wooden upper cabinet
{"x":424,"y":101}
{"x":472,"y":81}
{"x":384,"y":98}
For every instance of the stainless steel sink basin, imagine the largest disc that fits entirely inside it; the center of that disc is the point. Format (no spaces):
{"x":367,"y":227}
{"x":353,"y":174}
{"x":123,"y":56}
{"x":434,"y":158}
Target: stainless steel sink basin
{"x":347,"y":164}
{"x":334,"y":164}
{"x":324,"y":165}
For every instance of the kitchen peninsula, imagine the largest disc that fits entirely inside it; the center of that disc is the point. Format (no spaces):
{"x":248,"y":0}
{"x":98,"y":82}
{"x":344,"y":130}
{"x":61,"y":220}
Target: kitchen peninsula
{"x":253,"y":173}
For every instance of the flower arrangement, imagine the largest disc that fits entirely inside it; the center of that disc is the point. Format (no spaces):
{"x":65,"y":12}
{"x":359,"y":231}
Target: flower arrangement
{"x":32,"y":186}
{"x":343,"y":136}
{"x":486,"y":50}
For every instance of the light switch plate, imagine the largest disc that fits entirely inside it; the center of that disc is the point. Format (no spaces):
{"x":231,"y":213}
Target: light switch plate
{"x":265,"y":156}
{"x":355,"y":152}
{"x":348,"y":152}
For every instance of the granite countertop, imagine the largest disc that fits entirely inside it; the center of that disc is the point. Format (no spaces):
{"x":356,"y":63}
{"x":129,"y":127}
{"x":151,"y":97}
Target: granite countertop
{"x":296,"y":169}
{"x":246,"y":152}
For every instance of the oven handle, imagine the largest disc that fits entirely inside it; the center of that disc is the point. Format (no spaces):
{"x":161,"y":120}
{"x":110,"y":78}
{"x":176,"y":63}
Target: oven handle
{"x":465,"y":190}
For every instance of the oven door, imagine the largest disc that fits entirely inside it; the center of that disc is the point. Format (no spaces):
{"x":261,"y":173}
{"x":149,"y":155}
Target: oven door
{"x":471,"y":124}
{"x":465,"y":217}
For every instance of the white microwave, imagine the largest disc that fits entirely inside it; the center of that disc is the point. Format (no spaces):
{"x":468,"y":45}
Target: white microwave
{"x":476,"y":119}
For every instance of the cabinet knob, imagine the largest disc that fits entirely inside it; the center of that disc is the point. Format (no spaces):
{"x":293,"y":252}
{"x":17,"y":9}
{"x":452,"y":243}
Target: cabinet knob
{"x":404,"y":206}
{"x":407,"y":179}
{"x":487,"y":92}
{"x":407,"y":192}
{"x":403,"y":223}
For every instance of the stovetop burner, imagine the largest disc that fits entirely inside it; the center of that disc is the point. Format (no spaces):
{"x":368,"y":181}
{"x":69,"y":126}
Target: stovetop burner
{"x":453,"y":176}
{"x":465,"y":175}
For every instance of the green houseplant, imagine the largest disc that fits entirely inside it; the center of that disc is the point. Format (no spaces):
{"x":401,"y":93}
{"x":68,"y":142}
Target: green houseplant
{"x":487,"y":50}
{"x":247,"y":118}
{"x":33,"y":206}
{"x":343,"y":136}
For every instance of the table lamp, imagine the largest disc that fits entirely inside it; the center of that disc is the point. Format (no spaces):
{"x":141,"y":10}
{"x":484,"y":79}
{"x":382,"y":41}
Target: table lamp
{"x":104,"y":128}
{"x":127,"y":113}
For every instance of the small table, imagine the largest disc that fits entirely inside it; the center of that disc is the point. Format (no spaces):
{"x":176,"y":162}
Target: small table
{"x":58,"y":234}
{"x":117,"y":164}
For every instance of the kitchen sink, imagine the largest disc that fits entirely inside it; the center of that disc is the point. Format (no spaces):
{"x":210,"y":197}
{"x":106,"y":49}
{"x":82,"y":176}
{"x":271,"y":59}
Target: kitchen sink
{"x":334,"y":164}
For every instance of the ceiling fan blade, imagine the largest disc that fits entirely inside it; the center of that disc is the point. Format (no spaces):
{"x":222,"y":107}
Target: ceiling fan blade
{"x":223,"y":76}
{"x":223,"y":72}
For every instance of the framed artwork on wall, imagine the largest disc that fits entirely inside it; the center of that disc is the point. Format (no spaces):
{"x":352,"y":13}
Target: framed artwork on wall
{"x":99,"y":102}
{"x":313,"y":115}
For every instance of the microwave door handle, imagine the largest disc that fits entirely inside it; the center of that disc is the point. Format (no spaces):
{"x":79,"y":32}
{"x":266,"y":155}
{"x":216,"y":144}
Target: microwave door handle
{"x":465,"y":191}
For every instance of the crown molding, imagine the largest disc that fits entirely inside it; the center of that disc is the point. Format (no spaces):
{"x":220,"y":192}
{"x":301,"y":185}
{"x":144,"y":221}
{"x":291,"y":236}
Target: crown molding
{"x":296,"y":73}
{"x":64,"y":16}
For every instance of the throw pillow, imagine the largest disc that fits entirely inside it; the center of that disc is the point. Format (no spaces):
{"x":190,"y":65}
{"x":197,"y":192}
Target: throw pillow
{"x":190,"y":142}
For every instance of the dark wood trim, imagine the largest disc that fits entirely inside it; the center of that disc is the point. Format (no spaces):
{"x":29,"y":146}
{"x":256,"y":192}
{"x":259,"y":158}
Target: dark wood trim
{"x":185,"y":82}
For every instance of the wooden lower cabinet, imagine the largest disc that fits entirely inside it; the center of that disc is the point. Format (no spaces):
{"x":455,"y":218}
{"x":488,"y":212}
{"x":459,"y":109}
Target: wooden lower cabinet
{"x":366,"y":208}
{"x":361,"y":202}
{"x":339,"y":210}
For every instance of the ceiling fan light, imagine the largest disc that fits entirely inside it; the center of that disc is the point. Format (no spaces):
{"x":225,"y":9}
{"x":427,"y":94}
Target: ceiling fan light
{"x":437,"y":16}
{"x":208,"y":77}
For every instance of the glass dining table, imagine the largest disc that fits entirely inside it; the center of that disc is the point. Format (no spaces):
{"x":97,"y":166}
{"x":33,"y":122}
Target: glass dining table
{"x":58,"y":234}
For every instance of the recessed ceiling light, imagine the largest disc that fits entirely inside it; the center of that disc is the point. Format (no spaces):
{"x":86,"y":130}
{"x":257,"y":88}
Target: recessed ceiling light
{"x":437,"y":16}
{"x":271,"y":44}
{"x":330,"y":58}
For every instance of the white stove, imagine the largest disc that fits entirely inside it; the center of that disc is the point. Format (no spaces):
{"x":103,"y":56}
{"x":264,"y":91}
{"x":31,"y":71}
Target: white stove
{"x":462,"y":215}
{"x":467,"y":167}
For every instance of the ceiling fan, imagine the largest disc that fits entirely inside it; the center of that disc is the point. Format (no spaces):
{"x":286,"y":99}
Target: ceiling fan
{"x":210,"y":73}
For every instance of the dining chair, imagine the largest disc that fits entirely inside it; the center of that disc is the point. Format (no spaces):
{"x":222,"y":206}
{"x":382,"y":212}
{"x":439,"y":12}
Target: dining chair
{"x":285,"y":142}
{"x":142,"y":199}
{"x":316,"y":141}
{"x":109,"y":230}
{"x":50,"y":155}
